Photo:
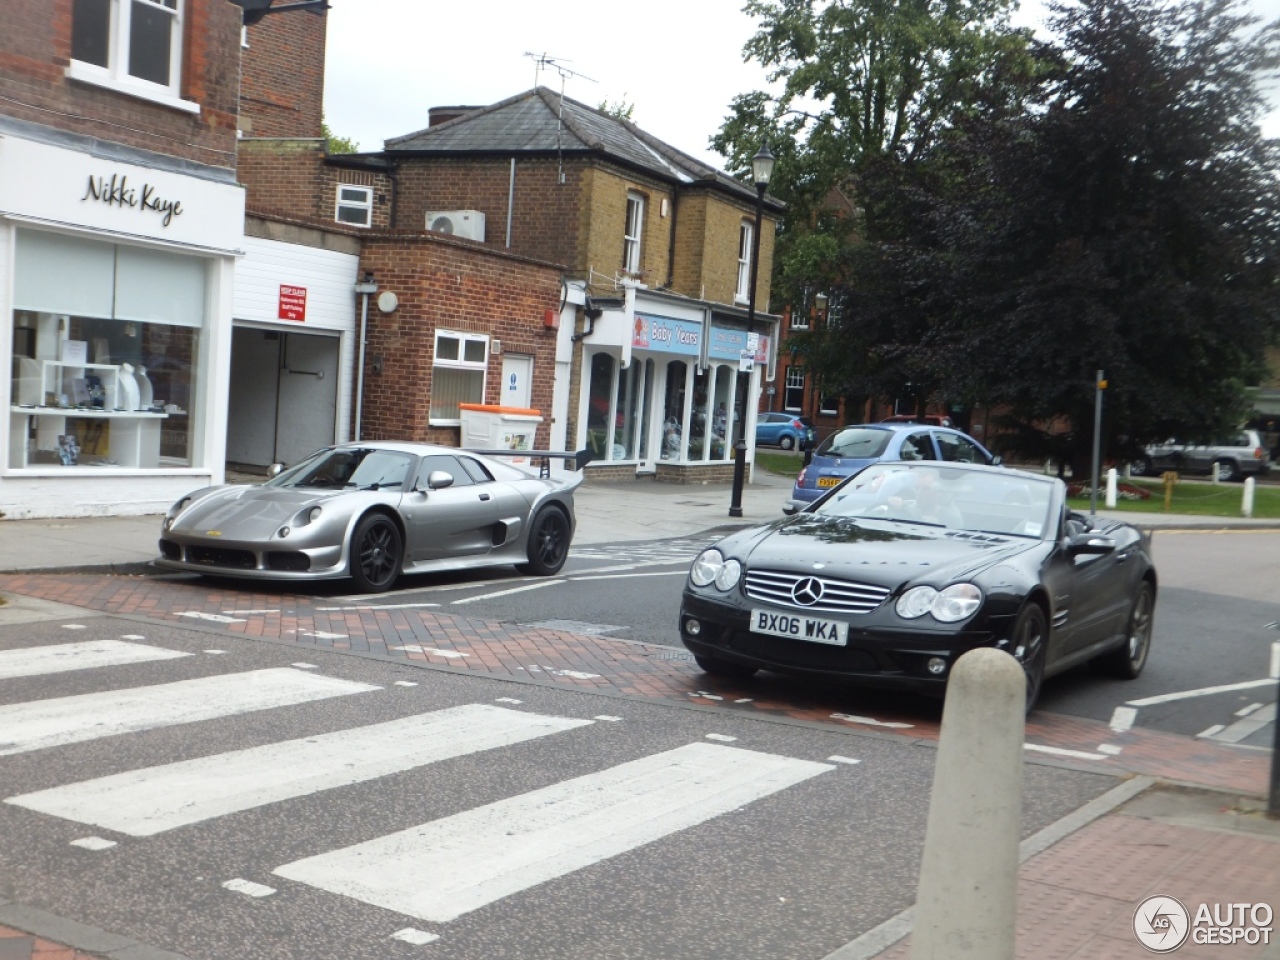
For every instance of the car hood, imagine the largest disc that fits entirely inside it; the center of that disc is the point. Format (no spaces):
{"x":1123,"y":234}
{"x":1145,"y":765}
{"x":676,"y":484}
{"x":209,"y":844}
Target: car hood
{"x":871,"y":551}
{"x":240,"y":512}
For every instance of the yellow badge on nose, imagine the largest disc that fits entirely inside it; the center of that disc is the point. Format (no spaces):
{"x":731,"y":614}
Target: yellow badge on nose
{"x":213,"y":533}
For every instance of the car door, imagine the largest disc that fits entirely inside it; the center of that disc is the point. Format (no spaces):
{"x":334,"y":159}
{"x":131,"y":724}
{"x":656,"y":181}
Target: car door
{"x":918,"y":446}
{"x":453,"y":521}
{"x":1091,"y":593}
{"x":957,"y":448}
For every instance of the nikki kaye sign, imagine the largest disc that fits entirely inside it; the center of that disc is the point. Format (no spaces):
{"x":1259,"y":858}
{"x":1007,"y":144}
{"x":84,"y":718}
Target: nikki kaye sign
{"x":293,"y":303}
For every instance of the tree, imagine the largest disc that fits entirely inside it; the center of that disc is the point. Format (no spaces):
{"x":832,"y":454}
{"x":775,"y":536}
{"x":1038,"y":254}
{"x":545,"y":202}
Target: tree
{"x":335,"y":144}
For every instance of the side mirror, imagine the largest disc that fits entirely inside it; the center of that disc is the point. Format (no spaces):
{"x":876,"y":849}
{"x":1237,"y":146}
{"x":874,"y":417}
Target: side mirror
{"x":1089,"y":544}
{"x":439,"y":479}
{"x":790,"y":508}
{"x":275,"y":470}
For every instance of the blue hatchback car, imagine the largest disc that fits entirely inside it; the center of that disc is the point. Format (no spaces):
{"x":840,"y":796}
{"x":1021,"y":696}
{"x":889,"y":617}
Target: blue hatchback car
{"x":785,"y":430}
{"x":853,"y":447}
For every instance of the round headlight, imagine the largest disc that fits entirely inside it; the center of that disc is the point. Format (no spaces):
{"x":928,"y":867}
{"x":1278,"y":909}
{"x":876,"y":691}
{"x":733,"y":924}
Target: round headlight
{"x":313,"y":514}
{"x":956,"y":602}
{"x":706,"y":567}
{"x":729,"y":575}
{"x":916,"y":602}
{"x":282,"y":532}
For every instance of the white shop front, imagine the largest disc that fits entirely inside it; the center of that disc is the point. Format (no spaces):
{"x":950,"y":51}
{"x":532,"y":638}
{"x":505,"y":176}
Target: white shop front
{"x":116,"y":272}
{"x":669,"y":383}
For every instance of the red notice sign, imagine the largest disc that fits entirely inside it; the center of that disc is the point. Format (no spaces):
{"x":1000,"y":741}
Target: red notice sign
{"x":293,"y":303}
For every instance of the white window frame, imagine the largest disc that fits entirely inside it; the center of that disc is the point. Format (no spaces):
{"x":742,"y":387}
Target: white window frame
{"x":351,"y":203}
{"x":633,"y":233}
{"x":746,"y":235}
{"x":794,"y":381}
{"x":115,"y":75}
{"x":480,"y":366}
{"x":828,"y":405}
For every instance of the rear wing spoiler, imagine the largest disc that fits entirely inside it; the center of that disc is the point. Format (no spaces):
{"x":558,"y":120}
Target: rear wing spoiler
{"x":574,"y":461}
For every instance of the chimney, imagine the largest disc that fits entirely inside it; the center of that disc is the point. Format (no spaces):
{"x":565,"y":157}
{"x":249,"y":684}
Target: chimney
{"x":439,"y":115}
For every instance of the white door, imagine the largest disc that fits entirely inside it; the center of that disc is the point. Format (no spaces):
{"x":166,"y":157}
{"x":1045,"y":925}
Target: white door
{"x":517,"y":380}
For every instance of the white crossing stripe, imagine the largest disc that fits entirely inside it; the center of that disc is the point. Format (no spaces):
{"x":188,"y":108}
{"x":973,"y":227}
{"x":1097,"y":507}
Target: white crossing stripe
{"x":83,"y":655}
{"x":440,"y":870}
{"x":146,"y":802}
{"x":88,"y":716}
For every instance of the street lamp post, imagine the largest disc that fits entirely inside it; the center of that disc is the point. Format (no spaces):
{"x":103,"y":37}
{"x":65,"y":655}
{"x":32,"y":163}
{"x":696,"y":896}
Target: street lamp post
{"x":761,"y":171}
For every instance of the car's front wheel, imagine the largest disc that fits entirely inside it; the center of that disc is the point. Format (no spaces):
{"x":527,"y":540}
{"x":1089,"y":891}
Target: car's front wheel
{"x":548,"y":542}
{"x":1228,"y":470}
{"x":1126,"y":661}
{"x":723,"y":668}
{"x":1142,"y":467}
{"x":1030,"y":638}
{"x":786,"y":443}
{"x":376,"y":553}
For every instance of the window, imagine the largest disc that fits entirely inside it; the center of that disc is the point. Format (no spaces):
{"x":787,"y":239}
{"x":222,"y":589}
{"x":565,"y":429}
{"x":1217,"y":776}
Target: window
{"x":828,"y":404}
{"x":634,"y":230}
{"x":745,"y":234}
{"x":131,"y":45}
{"x":355,"y":205}
{"x":793,"y":391}
{"x":959,"y":449}
{"x":457,"y":374}
{"x":444,"y":464}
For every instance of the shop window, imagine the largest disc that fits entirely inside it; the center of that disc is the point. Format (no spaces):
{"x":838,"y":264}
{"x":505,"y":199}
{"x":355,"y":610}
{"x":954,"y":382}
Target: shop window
{"x":745,"y":235}
{"x":355,"y":205}
{"x":457,"y":374}
{"x":634,"y":230}
{"x":601,"y":415}
{"x":106,"y":371}
{"x":131,"y":45}
{"x":673,"y":412}
{"x":793,"y":390}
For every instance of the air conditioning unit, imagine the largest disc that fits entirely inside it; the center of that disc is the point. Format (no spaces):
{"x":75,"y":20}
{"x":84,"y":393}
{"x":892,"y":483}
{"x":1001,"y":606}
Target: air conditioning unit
{"x":468,"y":224}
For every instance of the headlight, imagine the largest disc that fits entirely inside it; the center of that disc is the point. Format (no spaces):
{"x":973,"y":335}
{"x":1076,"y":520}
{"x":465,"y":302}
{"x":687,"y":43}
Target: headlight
{"x":314,"y":514}
{"x":956,"y":602}
{"x":706,"y":567}
{"x":729,"y":575}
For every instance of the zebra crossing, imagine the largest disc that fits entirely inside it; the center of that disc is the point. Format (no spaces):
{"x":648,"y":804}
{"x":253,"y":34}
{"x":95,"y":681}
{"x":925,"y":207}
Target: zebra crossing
{"x":434,"y":871}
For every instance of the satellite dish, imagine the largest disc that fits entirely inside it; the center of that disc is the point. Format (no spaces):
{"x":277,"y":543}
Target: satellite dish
{"x":442,"y":225}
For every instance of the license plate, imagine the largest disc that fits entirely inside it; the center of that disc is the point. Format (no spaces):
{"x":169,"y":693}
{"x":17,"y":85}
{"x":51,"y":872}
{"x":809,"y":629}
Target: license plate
{"x":796,"y":626}
{"x":824,"y":482}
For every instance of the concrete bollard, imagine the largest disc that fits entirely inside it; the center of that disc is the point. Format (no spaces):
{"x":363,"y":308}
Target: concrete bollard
{"x":1111,"y":488}
{"x":966,"y":905}
{"x":1246,"y":502}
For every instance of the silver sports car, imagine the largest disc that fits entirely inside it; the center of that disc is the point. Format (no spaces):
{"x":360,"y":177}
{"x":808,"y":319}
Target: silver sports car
{"x":372,"y":511}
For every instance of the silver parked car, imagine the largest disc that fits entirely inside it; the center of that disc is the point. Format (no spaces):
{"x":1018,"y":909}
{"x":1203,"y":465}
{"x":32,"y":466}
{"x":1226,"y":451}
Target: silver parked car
{"x":1238,"y":455}
{"x":372,"y":511}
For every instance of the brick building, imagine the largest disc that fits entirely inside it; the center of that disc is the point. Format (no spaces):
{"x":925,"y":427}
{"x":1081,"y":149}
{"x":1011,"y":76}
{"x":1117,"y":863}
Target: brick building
{"x":120,"y":222}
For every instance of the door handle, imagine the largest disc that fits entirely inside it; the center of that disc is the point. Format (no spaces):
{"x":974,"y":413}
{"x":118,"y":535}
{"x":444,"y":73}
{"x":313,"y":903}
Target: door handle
{"x":484,"y":496}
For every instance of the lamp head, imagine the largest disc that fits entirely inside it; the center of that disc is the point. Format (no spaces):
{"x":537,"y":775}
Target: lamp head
{"x":762,"y":166}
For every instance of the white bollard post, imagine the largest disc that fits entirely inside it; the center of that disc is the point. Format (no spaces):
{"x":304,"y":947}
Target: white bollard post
{"x":1246,"y":505}
{"x":1111,"y":488}
{"x":1216,"y":473}
{"x":966,"y":905}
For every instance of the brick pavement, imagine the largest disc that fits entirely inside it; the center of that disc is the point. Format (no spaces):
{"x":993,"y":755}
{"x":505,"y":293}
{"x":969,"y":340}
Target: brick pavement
{"x":17,"y":945}
{"x":609,"y":665}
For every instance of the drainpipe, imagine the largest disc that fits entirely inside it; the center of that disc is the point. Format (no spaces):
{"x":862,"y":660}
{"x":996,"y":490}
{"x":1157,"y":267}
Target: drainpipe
{"x":511,"y":199}
{"x":364,"y":287}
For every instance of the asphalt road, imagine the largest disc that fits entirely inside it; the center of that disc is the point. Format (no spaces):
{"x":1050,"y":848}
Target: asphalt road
{"x":791,"y":840}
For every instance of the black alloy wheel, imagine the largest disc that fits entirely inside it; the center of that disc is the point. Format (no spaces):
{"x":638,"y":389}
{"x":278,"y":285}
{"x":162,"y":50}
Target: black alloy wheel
{"x":1030,"y":638}
{"x":1126,"y":661}
{"x":376,"y":553}
{"x":548,"y":542}
{"x":723,"y":668}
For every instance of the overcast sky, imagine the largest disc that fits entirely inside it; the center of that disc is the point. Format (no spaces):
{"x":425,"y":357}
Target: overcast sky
{"x":678,"y":61}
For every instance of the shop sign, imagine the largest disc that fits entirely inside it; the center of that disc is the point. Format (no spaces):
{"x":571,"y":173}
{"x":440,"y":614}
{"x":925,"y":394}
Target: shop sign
{"x":729,"y":344}
{"x":117,"y":192}
{"x":293,"y":303}
{"x":666,"y":335}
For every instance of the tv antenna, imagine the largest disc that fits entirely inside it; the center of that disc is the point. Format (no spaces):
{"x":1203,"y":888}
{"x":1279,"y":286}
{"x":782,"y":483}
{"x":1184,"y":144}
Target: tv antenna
{"x":544,"y":61}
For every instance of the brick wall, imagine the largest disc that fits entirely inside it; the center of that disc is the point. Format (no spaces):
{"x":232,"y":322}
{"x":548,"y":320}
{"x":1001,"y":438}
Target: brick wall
{"x":605,"y":198}
{"x":450,"y":284}
{"x":291,"y":178}
{"x":282,"y":89}
{"x":35,"y":50}
{"x":707,"y":234}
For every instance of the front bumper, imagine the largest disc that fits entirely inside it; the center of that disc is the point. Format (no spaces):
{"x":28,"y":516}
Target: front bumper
{"x":252,"y":560}
{"x":879,"y":652}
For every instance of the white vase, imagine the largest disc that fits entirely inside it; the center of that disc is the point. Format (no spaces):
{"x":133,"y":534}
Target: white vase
{"x":129,"y":397}
{"x":146,"y":395}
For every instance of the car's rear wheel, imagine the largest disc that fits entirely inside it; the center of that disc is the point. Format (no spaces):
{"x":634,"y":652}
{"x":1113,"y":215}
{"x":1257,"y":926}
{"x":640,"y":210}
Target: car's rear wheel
{"x":723,"y":668}
{"x":376,"y":553}
{"x":1228,"y":470}
{"x":1030,"y":638}
{"x":548,"y":542}
{"x":785,"y":442}
{"x":1142,"y":467}
{"x":1126,"y":661}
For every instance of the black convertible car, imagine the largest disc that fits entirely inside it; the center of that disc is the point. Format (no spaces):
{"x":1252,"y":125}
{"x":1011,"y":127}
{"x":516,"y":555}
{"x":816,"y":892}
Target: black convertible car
{"x":902,"y":568}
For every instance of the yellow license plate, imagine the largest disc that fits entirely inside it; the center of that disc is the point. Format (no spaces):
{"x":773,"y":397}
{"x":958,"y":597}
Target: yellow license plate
{"x":824,"y":482}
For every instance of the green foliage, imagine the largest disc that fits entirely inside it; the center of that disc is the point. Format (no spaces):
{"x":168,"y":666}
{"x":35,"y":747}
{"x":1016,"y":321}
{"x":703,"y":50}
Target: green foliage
{"x":335,"y":144}
{"x":620,"y":110}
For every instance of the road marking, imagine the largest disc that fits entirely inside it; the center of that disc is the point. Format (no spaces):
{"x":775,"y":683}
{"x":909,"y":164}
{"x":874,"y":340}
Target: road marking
{"x":1202,"y":692}
{"x":1059,"y":752}
{"x":1122,"y":718}
{"x":1242,"y":729}
{"x":631,"y":576}
{"x":73,"y":626}
{"x":1245,"y":711}
{"x":89,"y":716}
{"x":723,"y":738}
{"x":506,"y":593}
{"x":213,"y":617}
{"x":380,"y":606}
{"x":440,"y":870}
{"x":1212,"y":731}
{"x":145,"y":802}
{"x":836,"y":758}
{"x":1110,"y":749}
{"x":869,"y":722}
{"x":83,"y":655}
{"x":415,"y":937}
{"x":1275,"y":660}
{"x":418,"y":648}
{"x":93,"y":843}
{"x":249,"y":888}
